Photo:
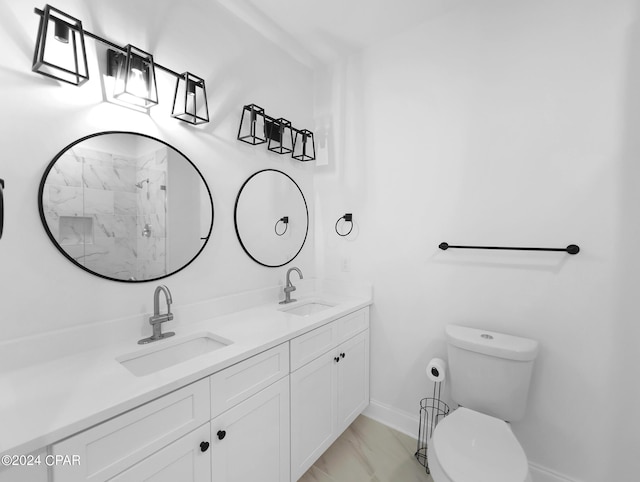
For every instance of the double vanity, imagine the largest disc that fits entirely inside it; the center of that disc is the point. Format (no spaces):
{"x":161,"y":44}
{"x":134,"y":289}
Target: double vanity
{"x":244,"y":388}
{"x":253,"y":394}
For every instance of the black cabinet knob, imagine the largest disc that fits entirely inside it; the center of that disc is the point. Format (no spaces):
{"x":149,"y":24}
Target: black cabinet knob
{"x":337,"y":359}
{"x":342,"y":355}
{"x":204,"y":446}
{"x":221,"y":434}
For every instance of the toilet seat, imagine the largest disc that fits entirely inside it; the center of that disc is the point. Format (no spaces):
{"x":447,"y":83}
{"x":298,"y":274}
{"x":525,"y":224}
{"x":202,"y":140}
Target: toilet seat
{"x":473,"y":447}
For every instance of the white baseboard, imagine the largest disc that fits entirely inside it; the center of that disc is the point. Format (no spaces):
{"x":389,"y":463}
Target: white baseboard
{"x":543,"y":474}
{"x":407,"y":423}
{"x":399,"y":420}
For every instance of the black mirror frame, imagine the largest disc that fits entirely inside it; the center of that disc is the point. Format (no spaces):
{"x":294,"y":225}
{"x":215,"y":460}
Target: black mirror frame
{"x":235,"y":219}
{"x":66,"y":255}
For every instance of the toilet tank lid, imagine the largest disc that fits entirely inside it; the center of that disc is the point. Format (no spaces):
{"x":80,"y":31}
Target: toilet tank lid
{"x":492,"y":343}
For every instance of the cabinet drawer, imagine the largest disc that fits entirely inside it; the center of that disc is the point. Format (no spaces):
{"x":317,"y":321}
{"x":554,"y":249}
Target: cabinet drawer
{"x":352,"y":324}
{"x":305,"y":348}
{"x":182,"y":460}
{"x":113,"y":446}
{"x":242,"y":380}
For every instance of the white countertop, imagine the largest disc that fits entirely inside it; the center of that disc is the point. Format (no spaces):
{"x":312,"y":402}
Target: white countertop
{"x":46,"y":402}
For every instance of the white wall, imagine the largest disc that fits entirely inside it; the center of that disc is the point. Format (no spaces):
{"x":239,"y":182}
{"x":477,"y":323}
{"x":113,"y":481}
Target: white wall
{"x":39,"y":289}
{"x":499,"y":123}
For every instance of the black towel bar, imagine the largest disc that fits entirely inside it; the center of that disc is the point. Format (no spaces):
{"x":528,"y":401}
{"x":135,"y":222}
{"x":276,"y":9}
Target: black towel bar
{"x":571,"y":249}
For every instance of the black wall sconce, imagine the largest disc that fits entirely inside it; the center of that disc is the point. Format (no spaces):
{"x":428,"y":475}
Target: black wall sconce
{"x":60,"y":54}
{"x":252,"y":125}
{"x":304,"y":147}
{"x":284,"y":220}
{"x":135,"y":76}
{"x":348,"y":218}
{"x":190,"y":100}
{"x":280,"y":136}
{"x":256,"y":127}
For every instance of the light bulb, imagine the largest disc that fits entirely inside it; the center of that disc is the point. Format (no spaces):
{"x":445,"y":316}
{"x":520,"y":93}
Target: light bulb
{"x":136,"y":85}
{"x":61,"y":32}
{"x":191,"y":88}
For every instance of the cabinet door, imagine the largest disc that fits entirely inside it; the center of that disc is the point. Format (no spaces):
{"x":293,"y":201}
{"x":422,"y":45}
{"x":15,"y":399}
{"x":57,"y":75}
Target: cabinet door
{"x":353,"y":379}
{"x":183,"y":460}
{"x":250,"y":442}
{"x":313,"y":412}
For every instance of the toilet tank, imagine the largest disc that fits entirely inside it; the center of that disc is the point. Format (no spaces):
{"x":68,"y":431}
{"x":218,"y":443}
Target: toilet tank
{"x":490,"y":372}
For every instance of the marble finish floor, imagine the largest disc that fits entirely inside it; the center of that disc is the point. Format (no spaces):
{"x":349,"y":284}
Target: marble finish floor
{"x":369,"y":451}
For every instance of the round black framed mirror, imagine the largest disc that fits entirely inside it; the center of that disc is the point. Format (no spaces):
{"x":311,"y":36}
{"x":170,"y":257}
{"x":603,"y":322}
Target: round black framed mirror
{"x":126,"y":206}
{"x":271,"y":218}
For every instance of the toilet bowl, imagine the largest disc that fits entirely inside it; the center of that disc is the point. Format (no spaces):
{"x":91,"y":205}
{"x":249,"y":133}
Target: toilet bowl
{"x":469,"y":446}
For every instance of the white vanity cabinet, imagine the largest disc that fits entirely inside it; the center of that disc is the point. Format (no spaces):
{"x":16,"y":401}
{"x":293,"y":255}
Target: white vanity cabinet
{"x":224,"y":428}
{"x":329,"y":391}
{"x":266,"y":418}
{"x":248,"y":442}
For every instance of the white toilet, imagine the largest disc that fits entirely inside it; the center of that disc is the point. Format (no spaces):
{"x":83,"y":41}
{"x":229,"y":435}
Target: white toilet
{"x":489,"y":378}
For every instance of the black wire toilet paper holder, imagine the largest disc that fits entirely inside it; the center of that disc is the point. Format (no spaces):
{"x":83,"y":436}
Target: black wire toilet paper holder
{"x":432,"y":410}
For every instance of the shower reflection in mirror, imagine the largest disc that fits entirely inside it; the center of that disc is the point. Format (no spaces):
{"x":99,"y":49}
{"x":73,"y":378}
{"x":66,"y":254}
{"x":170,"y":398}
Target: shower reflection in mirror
{"x":105,"y":204}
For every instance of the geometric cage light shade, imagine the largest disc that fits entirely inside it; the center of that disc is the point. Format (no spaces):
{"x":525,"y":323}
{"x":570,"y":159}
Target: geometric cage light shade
{"x":60,"y":50}
{"x":280,"y":136}
{"x":135,"y":76}
{"x":252,"y":125}
{"x":190,"y":100}
{"x":304,"y":148}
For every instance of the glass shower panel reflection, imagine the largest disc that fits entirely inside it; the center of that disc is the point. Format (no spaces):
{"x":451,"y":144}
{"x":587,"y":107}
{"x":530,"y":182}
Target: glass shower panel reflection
{"x":110,"y":211}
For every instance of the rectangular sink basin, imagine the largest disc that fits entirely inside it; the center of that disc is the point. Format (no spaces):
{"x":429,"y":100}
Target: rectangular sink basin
{"x":308,"y":308}
{"x":171,"y":353}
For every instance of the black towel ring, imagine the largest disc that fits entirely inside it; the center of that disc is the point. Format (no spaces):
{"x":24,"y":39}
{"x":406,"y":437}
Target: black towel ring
{"x":348,"y":218}
{"x":285,"y":221}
